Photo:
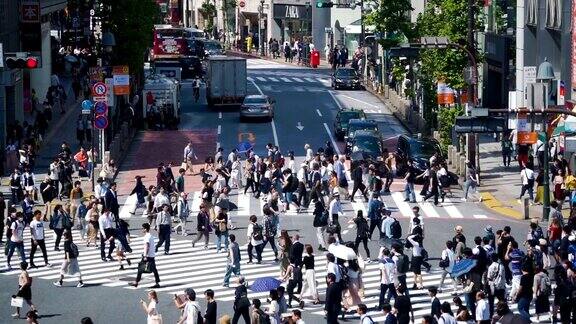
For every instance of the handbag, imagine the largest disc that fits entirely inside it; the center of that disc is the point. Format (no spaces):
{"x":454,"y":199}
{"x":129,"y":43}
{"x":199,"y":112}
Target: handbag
{"x":155,"y":319}
{"x":144,"y":266}
{"x":17,"y":301}
{"x":183,"y":165}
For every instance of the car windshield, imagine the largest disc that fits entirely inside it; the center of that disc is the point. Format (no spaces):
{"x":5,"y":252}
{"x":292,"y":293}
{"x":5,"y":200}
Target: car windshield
{"x":254,"y":100}
{"x":345,"y":73}
{"x":354,"y":127}
{"x":212,"y":46}
{"x":345,"y":116}
{"x":367,"y":144}
{"x":423,"y":149}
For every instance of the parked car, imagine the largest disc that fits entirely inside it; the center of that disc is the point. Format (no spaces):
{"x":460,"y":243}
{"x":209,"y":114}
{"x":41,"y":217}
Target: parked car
{"x":355,"y":125}
{"x":257,"y":106}
{"x":366,"y":145}
{"x":345,"y":77}
{"x":212,"y":47}
{"x":343,"y":117}
{"x":419,"y":150}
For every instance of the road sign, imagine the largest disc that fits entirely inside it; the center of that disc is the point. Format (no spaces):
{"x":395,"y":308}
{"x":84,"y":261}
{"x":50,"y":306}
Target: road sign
{"x":100,"y":98}
{"x":100,"y":108}
{"x":242,"y":4}
{"x":99,"y":89}
{"x":530,"y":74}
{"x":527,"y":137}
{"x":86,"y":104}
{"x":100,"y":122}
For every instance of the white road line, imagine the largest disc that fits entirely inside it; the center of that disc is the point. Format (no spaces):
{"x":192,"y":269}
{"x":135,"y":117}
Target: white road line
{"x":297,"y":79}
{"x":220,"y":115}
{"x":217,"y":145}
{"x":257,"y":87}
{"x":272,"y":79}
{"x":196,"y":200}
{"x":261,"y":79}
{"x":274,"y":133}
{"x":128,"y":207}
{"x":364,"y":102}
{"x":480,"y":216}
{"x":219,"y":129}
{"x":332,"y":139}
{"x":243,"y":203}
{"x":428,"y":209}
{"x":335,"y":100}
{"x":309,"y":79}
{"x":285,"y":79}
{"x":250,"y":79}
{"x":451,"y":209}
{"x":403,"y":207}
{"x":326,"y":81}
{"x":319,"y":113}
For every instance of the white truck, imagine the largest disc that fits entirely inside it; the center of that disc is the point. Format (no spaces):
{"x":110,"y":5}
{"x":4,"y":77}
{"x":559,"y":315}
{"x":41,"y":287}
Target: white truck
{"x":226,"y":81}
{"x":161,"y":98}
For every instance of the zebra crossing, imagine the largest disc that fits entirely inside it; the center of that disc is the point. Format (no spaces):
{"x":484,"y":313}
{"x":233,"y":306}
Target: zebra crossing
{"x":201,"y":269}
{"x":247,"y":205}
{"x":292,"y":79}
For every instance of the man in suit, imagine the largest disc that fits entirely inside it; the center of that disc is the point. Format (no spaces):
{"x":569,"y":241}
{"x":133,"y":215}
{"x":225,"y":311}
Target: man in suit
{"x":296,"y":251}
{"x":111,"y":200}
{"x":436,"y":305}
{"x":333,"y":303}
{"x":389,"y":318}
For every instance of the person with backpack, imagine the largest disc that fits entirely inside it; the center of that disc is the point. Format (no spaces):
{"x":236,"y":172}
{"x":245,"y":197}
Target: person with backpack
{"x":270,"y":225}
{"x":402,"y":265}
{"x":320,"y":222}
{"x":392,"y":230}
{"x":70,"y":265}
{"x":362,"y":310}
{"x":192,"y":313}
{"x":375,"y":209}
{"x":255,"y":239}
{"x":290,"y":185}
{"x":362,"y":233}
{"x":447,"y":259}
{"x":293,"y":275}
{"x":542,"y":290}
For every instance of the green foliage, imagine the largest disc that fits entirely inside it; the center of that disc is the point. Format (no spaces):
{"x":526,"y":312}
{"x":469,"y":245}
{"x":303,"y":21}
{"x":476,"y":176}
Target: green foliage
{"x":392,"y":18}
{"x":208,"y":11}
{"x":446,"y":120}
{"x":131,"y":22}
{"x":448,"y":18}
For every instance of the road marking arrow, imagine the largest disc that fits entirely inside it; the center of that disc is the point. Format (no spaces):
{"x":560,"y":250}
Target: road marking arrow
{"x":299,"y":126}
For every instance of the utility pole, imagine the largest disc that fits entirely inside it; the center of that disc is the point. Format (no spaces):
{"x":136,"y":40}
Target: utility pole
{"x":260,"y":36}
{"x":471,"y":94}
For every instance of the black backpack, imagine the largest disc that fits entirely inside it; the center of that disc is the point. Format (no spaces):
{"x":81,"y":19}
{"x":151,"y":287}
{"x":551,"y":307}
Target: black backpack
{"x":257,"y":232}
{"x":403,"y":264}
{"x":362,"y":228}
{"x":396,"y":229}
{"x":293,"y":183}
{"x":73,"y":251}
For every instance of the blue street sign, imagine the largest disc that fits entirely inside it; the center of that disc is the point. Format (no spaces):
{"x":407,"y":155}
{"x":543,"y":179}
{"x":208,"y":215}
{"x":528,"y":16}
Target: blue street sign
{"x":100,"y":108}
{"x":86,"y":104}
{"x":100,"y":122}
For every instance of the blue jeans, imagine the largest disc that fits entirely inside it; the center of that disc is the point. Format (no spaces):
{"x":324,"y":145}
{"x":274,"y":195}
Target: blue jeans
{"x":383,"y":296}
{"x":222,"y":237}
{"x":409,"y":192}
{"x":164,"y":237}
{"x":231,"y":269}
{"x":467,"y":185}
{"x":524,"y":307}
{"x":11,"y":247}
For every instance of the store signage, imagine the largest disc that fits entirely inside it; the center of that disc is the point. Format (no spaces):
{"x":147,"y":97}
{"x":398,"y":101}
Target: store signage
{"x":30,"y":12}
{"x":527,"y":137}
{"x":283,"y":11}
{"x":121,"y":78}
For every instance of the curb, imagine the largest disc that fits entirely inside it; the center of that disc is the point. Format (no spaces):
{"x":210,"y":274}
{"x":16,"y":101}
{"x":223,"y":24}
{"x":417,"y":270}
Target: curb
{"x":490,"y":202}
{"x":266,"y":58}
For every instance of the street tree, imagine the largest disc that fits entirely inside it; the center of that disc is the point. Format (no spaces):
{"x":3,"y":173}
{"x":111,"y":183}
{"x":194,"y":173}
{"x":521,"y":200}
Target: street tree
{"x":391,"y":18}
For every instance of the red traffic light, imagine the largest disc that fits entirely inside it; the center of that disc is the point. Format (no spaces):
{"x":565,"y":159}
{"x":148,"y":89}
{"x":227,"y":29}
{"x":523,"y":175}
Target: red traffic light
{"x":30,"y":62}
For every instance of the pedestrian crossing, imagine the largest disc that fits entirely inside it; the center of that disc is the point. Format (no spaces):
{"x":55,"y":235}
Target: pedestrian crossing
{"x":247,"y":205}
{"x":188,"y":267}
{"x":293,"y":80}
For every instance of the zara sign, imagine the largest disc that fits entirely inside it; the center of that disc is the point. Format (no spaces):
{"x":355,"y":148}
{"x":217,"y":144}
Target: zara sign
{"x":283,"y":11}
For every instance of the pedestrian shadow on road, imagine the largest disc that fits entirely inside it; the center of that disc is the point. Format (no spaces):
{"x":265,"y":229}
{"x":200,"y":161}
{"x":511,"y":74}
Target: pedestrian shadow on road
{"x":41,"y":316}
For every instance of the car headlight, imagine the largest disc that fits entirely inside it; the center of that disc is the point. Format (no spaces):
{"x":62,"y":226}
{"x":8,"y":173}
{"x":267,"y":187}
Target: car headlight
{"x":355,"y":81}
{"x":338,"y":80}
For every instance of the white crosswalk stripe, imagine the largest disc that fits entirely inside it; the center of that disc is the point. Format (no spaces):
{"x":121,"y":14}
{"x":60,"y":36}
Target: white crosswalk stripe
{"x":286,"y":80}
{"x":297,"y":79}
{"x":250,"y":78}
{"x":261,"y":79}
{"x":272,"y":79}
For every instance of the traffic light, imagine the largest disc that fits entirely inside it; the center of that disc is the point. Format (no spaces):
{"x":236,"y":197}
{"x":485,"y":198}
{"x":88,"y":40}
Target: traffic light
{"x":322,"y":4}
{"x":29,"y":62}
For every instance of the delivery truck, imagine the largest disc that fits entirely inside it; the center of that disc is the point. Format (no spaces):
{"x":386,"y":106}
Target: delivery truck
{"x":226,"y":81}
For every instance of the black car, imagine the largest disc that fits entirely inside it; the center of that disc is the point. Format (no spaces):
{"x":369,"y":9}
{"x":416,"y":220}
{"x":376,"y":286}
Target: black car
{"x":419,"y":150}
{"x":343,"y":117}
{"x":357,"y":125}
{"x":212,"y":47}
{"x":346,"y":78}
{"x":366,"y":145}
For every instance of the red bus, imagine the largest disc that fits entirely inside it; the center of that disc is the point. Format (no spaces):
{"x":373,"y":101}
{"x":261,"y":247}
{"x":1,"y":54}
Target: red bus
{"x":169,"y":43}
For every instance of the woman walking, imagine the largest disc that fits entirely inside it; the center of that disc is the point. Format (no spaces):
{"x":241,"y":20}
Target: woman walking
{"x":93,"y":226}
{"x":221,"y":230}
{"x":542,"y":292}
{"x":59,"y":222}
{"x":417,"y":258}
{"x":151,"y":309}
{"x":285,"y":243}
{"x":274,"y":309}
{"x":24,"y":288}
{"x":352,"y":293}
{"x":141,"y":193}
{"x":70,"y":265}
{"x":294,"y":277}
{"x":362,"y":231}
{"x":309,"y":289}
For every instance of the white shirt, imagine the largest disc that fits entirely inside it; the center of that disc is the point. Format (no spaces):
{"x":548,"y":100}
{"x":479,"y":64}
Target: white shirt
{"x":105,"y":222}
{"x":333,"y":268}
{"x":17,"y":228}
{"x":447,"y":253}
{"x":335,"y":208}
{"x":37,"y":229}
{"x":54,"y":168}
{"x":446,"y":318}
{"x":526,"y":174}
{"x":482,"y":311}
{"x":160,"y":200}
{"x":388,"y":272}
{"x":309,"y":154}
{"x":148,"y":238}
{"x":190,"y":313}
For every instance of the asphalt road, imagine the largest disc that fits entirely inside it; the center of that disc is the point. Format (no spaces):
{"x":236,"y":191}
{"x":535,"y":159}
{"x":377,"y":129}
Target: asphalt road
{"x":303,"y":98}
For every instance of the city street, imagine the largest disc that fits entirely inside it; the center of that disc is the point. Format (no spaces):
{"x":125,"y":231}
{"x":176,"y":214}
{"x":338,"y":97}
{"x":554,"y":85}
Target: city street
{"x":305,"y":110}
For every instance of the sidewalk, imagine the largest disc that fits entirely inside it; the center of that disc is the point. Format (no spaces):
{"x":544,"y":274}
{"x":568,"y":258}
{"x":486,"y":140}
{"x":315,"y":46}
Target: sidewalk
{"x":323,"y":63}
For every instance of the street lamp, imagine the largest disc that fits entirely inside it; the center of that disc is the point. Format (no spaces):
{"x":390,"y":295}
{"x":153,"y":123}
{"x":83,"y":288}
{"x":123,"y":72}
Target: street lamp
{"x":545,"y":75}
{"x":260,"y":37}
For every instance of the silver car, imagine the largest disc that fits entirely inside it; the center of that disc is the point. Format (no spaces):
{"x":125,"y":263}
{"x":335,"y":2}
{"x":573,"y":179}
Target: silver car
{"x":257,"y":106}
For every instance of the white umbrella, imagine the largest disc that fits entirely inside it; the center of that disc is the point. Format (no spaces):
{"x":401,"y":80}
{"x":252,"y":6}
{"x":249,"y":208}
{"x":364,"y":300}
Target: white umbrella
{"x":343,"y":252}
